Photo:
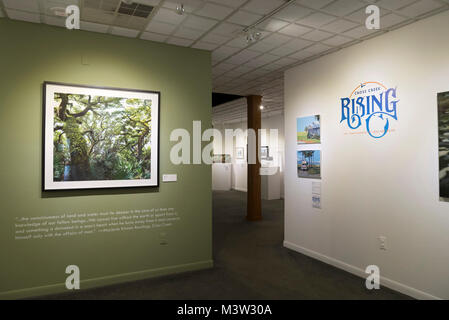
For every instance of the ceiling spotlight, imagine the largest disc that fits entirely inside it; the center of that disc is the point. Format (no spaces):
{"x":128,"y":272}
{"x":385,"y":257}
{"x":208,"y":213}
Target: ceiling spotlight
{"x":180,"y":9}
{"x":261,"y":107}
{"x":252,"y":36}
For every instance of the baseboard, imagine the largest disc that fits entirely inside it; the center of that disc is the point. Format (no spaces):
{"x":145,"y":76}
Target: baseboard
{"x":240,"y":189}
{"x":394,"y":285}
{"x":105,"y":281}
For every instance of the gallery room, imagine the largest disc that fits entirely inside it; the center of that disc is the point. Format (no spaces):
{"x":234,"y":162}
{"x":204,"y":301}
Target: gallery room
{"x":224,"y":150}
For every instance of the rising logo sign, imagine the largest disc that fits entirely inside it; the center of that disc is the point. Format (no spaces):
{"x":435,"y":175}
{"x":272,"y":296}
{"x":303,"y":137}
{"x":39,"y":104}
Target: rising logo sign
{"x":372,"y":104}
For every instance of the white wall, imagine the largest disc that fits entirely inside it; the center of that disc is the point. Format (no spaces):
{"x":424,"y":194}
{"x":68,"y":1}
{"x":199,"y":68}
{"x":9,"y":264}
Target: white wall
{"x":373,"y":187}
{"x":239,"y":166}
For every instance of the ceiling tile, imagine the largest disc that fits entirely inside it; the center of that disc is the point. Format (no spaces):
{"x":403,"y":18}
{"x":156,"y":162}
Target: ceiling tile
{"x":124,"y":32}
{"x":129,"y":22}
{"x":421,"y":7}
{"x":97,"y":16}
{"x":239,"y":42}
{"x":179,"y":42}
{"x":317,"y":48}
{"x":315,"y":4}
{"x":301,"y":55}
{"x":239,"y":71}
{"x":23,"y":16}
{"x":215,"y":38}
{"x":227,"y":29}
{"x":339,"y":26}
{"x":244,"y":18}
{"x":23,"y":5}
{"x":168,"y":16}
{"x":205,"y":46}
{"x":231,"y":3}
{"x":94,"y":27}
{"x":262,"y":46}
{"x":291,"y":47}
{"x":316,"y":35}
{"x":394,"y":4}
{"x":337,"y":41}
{"x":293,"y":13}
{"x":272,"y":25}
{"x":285,"y":61}
{"x":343,"y":7}
{"x":199,"y":23}
{"x":212,"y":10}
{"x":189,"y":5}
{"x":390,"y":20}
{"x":224,"y":66}
{"x":359,"y":32}
{"x":276,"y":39}
{"x":295,"y":30}
{"x":243,"y":56}
{"x":223,"y":52}
{"x":160,"y":27}
{"x":153,"y":37}
{"x":272,"y":67}
{"x":317,"y":19}
{"x":262,"y":60}
{"x":263,"y":6}
{"x":188,"y":33}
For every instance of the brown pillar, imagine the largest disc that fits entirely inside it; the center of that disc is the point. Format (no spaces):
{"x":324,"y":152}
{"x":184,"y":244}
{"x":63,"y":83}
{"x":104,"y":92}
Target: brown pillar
{"x":254,"y":204}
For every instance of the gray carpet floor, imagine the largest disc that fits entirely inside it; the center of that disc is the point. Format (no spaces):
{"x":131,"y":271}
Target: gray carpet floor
{"x":250,"y":263}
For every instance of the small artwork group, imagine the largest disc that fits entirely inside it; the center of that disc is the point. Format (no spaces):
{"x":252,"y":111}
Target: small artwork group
{"x":309,"y":163}
{"x":308,"y":130}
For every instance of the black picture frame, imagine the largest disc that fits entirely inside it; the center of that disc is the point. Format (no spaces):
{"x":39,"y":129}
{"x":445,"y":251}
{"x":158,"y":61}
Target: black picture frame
{"x":267,"y":152}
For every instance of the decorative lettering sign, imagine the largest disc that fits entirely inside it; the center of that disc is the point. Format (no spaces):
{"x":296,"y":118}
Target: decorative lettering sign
{"x":372,"y":105}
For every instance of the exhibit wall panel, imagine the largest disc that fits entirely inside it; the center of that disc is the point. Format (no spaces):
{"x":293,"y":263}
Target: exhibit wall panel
{"x":34,"y":53}
{"x":375,"y":187}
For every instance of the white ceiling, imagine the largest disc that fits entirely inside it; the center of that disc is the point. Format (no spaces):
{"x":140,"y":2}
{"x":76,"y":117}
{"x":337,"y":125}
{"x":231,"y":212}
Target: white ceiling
{"x":304,"y":30}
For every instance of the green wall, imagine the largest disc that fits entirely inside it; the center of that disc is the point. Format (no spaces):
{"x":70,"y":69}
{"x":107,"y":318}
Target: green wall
{"x":31,"y":54}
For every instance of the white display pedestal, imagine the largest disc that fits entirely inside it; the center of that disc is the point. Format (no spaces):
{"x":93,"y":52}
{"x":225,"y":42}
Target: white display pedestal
{"x":221,"y":176}
{"x":271,"y":184}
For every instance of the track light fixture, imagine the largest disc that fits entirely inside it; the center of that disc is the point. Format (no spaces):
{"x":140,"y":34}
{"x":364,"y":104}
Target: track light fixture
{"x":252,"y":36}
{"x":180,"y":9}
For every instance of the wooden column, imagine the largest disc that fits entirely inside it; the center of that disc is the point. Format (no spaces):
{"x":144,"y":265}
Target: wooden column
{"x":254,"y":202}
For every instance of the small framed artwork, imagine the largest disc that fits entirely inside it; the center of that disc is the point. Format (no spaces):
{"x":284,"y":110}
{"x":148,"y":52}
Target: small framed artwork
{"x":240,"y":153}
{"x":309,"y":164}
{"x":443,"y":141}
{"x":308,"y":130}
{"x":264,"y":152}
{"x":96,"y":137}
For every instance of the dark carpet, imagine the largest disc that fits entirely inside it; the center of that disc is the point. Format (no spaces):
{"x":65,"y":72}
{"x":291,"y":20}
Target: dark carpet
{"x":250,"y":263}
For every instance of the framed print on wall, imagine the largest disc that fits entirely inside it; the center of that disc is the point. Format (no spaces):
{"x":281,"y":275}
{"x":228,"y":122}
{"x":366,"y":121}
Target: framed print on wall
{"x":240,"y":153}
{"x":99,"y":137}
{"x":309,"y":164}
{"x":443,"y":141}
{"x":308,"y":130}
{"x":264,"y":152}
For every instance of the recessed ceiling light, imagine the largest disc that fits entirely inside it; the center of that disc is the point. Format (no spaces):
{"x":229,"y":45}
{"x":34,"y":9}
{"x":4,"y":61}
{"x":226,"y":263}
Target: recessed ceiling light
{"x":261,"y":107}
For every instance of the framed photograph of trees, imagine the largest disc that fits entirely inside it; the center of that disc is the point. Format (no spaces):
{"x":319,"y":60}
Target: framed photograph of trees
{"x":99,"y":137}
